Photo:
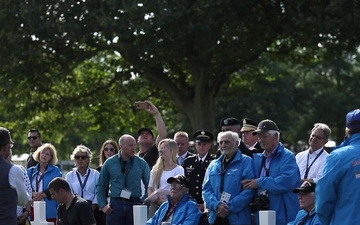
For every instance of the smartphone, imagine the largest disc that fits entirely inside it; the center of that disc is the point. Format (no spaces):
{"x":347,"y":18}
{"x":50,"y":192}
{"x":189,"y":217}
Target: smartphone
{"x":141,"y":105}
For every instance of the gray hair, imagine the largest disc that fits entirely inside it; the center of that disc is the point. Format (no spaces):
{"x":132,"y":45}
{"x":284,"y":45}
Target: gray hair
{"x":234,"y":135}
{"x":273,"y":133}
{"x":325,"y":128}
{"x":83,"y":149}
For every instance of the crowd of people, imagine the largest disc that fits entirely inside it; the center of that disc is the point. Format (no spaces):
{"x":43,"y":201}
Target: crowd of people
{"x":250,"y":172}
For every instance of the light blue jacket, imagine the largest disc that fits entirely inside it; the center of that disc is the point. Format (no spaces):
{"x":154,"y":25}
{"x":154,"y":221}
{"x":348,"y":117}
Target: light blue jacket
{"x":283,"y":177}
{"x":241,"y":168}
{"x":186,"y":213}
{"x":313,"y":220}
{"x":51,"y":172}
{"x":338,"y":191}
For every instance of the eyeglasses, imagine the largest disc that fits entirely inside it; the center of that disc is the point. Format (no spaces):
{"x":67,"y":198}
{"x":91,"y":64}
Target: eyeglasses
{"x":11,"y":144}
{"x":83,"y":157}
{"x":109,"y":149}
{"x":32,"y":137}
{"x":176,"y":185}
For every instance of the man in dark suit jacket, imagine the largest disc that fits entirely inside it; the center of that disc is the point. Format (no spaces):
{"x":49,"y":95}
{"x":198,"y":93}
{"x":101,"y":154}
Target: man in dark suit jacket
{"x":182,"y":140}
{"x":195,"y":166}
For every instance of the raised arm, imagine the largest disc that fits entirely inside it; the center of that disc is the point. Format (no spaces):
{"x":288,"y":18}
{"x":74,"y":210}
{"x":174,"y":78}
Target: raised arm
{"x":160,"y":124}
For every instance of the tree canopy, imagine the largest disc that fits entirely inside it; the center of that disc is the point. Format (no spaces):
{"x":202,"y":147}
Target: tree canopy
{"x":75,"y":57}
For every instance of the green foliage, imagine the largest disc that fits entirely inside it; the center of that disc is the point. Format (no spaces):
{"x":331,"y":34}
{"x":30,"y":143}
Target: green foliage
{"x":74,"y":69}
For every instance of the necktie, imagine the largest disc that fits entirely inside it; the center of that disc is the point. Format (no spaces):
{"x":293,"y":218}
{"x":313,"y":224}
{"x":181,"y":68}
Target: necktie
{"x":201,"y":162}
{"x":180,"y":160}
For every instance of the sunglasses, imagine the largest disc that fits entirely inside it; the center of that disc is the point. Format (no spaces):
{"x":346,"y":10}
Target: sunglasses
{"x":83,"y":157}
{"x":109,"y":149}
{"x":11,"y":144}
{"x":32,"y":137}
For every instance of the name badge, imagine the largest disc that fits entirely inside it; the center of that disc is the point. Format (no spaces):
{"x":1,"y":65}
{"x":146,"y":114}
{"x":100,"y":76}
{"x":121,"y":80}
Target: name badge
{"x":225,"y":197}
{"x":125,"y":194}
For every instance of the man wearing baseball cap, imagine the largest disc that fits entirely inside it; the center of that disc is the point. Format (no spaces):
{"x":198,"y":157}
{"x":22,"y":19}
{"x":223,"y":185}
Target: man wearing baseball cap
{"x":338,"y":191}
{"x":180,"y":207}
{"x":279,"y":174}
{"x":146,"y":139}
{"x":307,"y":214}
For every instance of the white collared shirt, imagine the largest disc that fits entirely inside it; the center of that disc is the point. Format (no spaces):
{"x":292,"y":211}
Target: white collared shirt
{"x":317,"y":168}
{"x":203,"y":158}
{"x":89,"y":191}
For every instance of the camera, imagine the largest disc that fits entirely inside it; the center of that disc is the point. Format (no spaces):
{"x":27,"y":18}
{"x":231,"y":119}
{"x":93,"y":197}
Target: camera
{"x":261,"y":202}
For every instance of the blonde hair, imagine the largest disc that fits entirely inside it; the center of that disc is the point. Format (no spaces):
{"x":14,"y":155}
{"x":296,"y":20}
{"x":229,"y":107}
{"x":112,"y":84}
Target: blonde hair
{"x":158,"y":168}
{"x":181,"y":134}
{"x":44,"y":147}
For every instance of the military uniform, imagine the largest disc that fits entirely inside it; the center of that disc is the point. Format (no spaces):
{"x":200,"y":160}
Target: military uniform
{"x":257,"y":148}
{"x":195,"y":172}
{"x":194,"y":169}
{"x":251,"y":125}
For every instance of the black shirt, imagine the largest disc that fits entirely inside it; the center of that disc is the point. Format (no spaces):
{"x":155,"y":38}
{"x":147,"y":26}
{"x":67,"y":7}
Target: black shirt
{"x":30,"y":162}
{"x":150,"y":156}
{"x":79,"y":213}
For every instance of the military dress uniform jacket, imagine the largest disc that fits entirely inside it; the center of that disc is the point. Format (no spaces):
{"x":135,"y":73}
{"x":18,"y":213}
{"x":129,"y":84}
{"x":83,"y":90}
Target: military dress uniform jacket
{"x":195,"y":172}
{"x":257,"y":148}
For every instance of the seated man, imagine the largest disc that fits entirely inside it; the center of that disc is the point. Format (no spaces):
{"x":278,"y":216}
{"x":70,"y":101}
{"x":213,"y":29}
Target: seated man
{"x":307,"y":214}
{"x":180,"y":208}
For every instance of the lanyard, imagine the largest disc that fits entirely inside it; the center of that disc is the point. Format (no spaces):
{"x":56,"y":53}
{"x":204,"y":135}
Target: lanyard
{"x":307,"y":163}
{"x":306,"y":218}
{"x":224,"y":166}
{"x":38,"y":180}
{"x":126,"y":169}
{"x":170,"y":211}
{"x":264,"y":163}
{"x":82,"y":185}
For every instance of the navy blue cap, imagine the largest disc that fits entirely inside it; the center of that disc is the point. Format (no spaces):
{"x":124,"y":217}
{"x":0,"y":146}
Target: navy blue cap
{"x":353,"y":119}
{"x":229,"y":122}
{"x":203,"y":136}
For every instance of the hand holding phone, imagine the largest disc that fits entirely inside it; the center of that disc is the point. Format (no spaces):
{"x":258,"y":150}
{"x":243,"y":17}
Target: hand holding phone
{"x":141,"y":105}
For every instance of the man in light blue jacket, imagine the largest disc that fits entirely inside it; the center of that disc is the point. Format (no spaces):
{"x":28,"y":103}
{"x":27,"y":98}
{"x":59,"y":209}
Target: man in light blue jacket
{"x":338,"y":191}
{"x":278,"y":174}
{"x":223,"y":193}
{"x":307,"y":214}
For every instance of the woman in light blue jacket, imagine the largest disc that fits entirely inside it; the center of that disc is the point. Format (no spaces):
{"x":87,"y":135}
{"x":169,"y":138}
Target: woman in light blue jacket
{"x":41,"y":175}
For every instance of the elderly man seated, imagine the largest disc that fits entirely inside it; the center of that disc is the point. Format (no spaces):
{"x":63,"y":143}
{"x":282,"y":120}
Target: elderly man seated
{"x":180,"y":207}
{"x":307,"y":214}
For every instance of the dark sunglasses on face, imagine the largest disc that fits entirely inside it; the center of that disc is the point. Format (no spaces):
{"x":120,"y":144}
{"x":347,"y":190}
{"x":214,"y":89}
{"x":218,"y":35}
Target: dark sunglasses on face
{"x":83,"y":157}
{"x":109,"y":149}
{"x":32,"y":137}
